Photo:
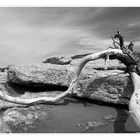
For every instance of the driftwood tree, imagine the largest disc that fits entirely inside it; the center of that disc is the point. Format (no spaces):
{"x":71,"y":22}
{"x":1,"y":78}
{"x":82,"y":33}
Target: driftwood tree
{"x":121,"y":52}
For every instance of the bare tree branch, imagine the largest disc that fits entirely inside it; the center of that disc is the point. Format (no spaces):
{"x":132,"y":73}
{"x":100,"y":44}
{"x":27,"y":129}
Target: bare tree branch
{"x":130,"y":46}
{"x":84,"y":61}
{"x":115,"y":42}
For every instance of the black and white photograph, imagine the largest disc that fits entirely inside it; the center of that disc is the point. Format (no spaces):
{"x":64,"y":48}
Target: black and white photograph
{"x":69,"y":69}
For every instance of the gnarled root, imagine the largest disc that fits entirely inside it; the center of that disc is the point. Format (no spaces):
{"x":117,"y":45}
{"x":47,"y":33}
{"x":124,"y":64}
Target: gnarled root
{"x":37,"y":100}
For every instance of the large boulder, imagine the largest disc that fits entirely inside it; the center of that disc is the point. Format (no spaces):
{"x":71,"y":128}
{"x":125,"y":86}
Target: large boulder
{"x":39,"y":74}
{"x":111,"y":86}
{"x":115,"y":88}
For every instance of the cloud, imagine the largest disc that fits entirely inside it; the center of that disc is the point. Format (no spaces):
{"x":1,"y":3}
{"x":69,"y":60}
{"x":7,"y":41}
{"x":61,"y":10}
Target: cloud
{"x":28,"y":35}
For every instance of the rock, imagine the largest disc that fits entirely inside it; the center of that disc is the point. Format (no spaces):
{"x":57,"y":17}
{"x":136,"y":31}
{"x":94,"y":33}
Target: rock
{"x":93,"y":124}
{"x":90,"y":125}
{"x":4,"y":69}
{"x":24,"y":119}
{"x":115,"y":89}
{"x":109,"y":117}
{"x":59,"y":60}
{"x":3,"y":127}
{"x":3,"y":77}
{"x":38,"y":74}
{"x":50,"y":74}
{"x":111,"y":86}
{"x":77,"y":124}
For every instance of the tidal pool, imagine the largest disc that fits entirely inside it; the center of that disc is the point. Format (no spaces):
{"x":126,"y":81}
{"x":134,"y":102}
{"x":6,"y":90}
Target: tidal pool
{"x":77,"y":115}
{"x":80,"y":116}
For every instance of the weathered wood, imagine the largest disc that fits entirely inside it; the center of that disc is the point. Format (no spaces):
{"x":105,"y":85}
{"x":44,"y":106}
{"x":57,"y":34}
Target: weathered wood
{"x":134,"y":104}
{"x":78,"y":70}
{"x":134,"y":71}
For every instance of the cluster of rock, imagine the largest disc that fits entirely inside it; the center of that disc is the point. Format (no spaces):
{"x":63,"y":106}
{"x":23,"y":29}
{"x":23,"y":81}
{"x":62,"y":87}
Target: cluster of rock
{"x":111,"y":86}
{"x":55,"y":73}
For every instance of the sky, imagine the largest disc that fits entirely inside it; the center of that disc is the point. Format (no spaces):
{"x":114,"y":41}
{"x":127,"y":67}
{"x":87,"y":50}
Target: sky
{"x":29,"y":35}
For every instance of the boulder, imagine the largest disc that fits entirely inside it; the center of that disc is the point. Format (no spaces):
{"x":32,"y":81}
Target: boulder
{"x":59,"y":60}
{"x":25,"y":119}
{"x":115,"y":88}
{"x":111,"y":86}
{"x":39,"y":74}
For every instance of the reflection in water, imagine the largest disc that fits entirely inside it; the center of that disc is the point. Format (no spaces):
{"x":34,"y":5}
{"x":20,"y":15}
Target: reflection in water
{"x":119,"y":124}
{"x":70,"y":111}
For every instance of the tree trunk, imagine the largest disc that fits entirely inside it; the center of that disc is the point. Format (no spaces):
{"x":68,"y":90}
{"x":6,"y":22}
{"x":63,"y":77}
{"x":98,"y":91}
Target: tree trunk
{"x":134,"y":104}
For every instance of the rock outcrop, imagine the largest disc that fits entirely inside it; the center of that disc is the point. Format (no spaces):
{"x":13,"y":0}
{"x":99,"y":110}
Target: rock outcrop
{"x":111,"y":86}
{"x":50,"y":79}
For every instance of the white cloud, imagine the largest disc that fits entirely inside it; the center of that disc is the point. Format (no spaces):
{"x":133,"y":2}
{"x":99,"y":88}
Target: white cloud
{"x":29,"y":35}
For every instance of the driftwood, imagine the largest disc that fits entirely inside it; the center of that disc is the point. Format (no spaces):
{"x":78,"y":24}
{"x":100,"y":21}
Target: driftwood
{"x":84,"y":61}
{"x":123,"y":54}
